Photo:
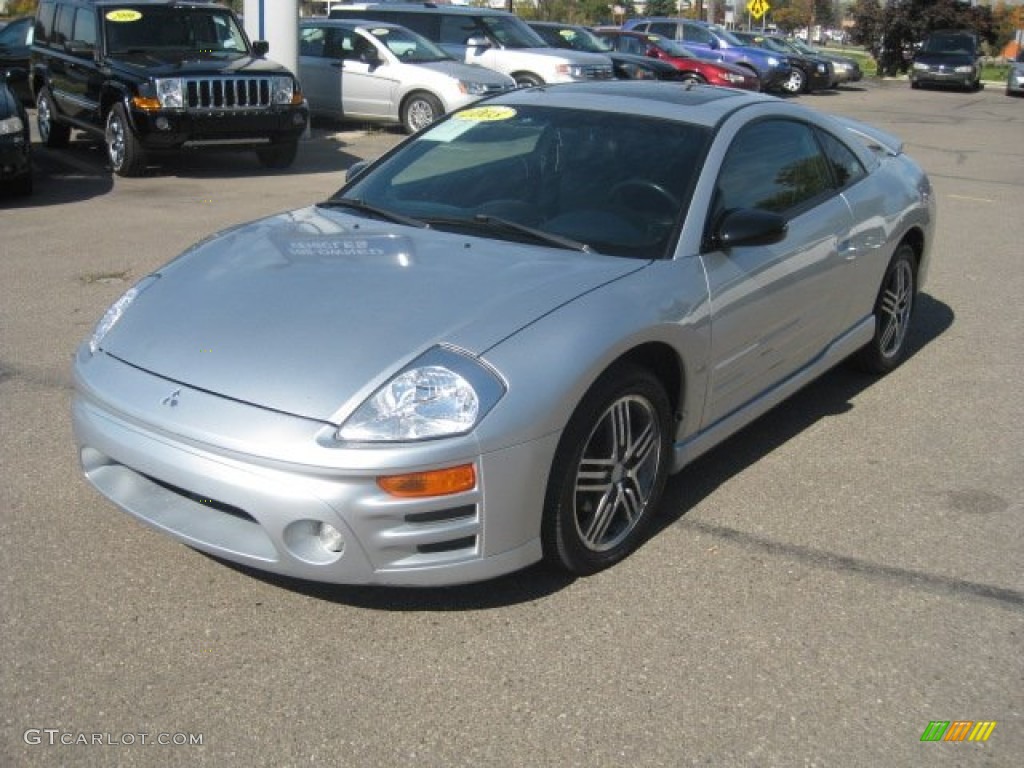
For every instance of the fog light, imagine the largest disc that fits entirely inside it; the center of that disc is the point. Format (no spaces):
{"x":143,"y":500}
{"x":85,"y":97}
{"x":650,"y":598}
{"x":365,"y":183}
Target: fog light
{"x":163,"y":124}
{"x":298,"y":118}
{"x":330,"y":538}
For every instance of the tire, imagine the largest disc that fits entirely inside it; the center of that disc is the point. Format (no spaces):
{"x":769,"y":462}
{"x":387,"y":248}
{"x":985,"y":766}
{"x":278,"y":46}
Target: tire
{"x":893,"y":311}
{"x":527,"y":80}
{"x":419,"y":110}
{"x":52,"y":132}
{"x":608,"y":473}
{"x":797,"y":82}
{"x":694,"y":77}
{"x":280,"y":155}
{"x":126,"y":156}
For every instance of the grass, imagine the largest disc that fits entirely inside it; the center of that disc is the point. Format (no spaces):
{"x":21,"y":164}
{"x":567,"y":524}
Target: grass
{"x":991,"y":71}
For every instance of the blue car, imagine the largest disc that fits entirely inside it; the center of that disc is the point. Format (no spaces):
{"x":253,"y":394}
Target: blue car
{"x":715,"y":42}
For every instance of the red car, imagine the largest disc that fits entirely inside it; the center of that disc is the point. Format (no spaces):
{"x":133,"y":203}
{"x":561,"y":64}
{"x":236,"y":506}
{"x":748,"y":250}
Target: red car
{"x":682,"y":58}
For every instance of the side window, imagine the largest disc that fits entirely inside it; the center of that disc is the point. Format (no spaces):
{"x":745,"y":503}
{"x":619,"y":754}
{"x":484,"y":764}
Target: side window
{"x":693,"y":33}
{"x":85,"y":27}
{"x":44,"y":22}
{"x":663,"y":28}
{"x":64,"y":25}
{"x":774,"y":165}
{"x":311,"y":42}
{"x":456,"y":30}
{"x":846,"y":167}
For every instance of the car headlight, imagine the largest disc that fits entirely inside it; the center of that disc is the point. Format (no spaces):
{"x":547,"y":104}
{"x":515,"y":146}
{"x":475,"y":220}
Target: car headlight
{"x":11,"y":126}
{"x":116,"y":311}
{"x":733,"y":77}
{"x":284,"y":91}
{"x":773,"y":62}
{"x":170,"y":92}
{"x":441,"y":394}
{"x":920,"y":67}
{"x":964,"y":69}
{"x":574,"y":71}
{"x":472,"y":88}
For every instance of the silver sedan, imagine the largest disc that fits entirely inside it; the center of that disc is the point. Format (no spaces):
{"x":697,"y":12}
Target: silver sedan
{"x":494,"y":343}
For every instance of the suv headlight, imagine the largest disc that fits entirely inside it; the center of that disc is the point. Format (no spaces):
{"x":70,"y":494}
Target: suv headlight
{"x":441,"y":394}
{"x":284,"y":91}
{"x":170,"y":92}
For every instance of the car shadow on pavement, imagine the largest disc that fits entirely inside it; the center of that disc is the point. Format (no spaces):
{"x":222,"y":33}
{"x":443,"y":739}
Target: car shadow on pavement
{"x":830,"y":395}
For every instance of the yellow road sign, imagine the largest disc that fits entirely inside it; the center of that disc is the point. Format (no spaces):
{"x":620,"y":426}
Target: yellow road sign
{"x":758,"y":8}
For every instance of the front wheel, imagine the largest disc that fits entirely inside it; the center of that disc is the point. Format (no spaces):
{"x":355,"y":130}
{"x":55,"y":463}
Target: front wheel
{"x":527,"y":80}
{"x":52,"y":133}
{"x":893,"y":311}
{"x":796,"y":83}
{"x":280,"y":155}
{"x":126,"y":155}
{"x":419,"y":111}
{"x":609,"y":472}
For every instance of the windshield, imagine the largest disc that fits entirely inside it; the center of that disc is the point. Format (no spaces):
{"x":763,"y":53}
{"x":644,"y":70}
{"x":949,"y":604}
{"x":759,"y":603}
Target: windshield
{"x":950,"y":44}
{"x":150,"y":27}
{"x":410,"y":47}
{"x":512,"y":32}
{"x":576,"y":38}
{"x":672,"y":48}
{"x":614,"y":183}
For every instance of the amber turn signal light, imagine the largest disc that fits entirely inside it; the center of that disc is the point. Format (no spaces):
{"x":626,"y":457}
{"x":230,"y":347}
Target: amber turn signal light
{"x":437,"y":482}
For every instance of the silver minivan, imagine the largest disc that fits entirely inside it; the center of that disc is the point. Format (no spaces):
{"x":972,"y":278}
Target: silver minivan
{"x":381,"y":72}
{"x":496,"y":39}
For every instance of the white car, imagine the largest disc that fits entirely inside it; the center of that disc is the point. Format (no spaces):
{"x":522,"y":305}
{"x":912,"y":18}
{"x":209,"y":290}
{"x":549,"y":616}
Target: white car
{"x":386,"y":73}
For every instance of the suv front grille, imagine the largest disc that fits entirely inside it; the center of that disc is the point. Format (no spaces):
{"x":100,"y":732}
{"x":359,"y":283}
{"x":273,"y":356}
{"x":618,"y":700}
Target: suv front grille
{"x":228,"y":93}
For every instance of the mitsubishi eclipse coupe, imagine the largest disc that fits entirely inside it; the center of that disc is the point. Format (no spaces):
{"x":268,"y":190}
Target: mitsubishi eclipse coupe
{"x":493,"y":344}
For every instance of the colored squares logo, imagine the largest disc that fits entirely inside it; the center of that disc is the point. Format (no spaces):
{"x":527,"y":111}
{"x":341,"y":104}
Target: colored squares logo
{"x":958,"y":730}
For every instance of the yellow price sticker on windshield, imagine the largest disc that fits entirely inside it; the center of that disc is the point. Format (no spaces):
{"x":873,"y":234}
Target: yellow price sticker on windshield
{"x":486,"y":114}
{"x":123,"y":15}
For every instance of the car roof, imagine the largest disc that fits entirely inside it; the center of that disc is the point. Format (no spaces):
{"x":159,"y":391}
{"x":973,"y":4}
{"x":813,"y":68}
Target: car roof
{"x":431,"y":8}
{"x":701,"y":105}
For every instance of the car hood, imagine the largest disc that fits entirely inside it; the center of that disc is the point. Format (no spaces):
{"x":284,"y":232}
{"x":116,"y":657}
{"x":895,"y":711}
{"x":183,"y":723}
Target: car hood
{"x":303,"y":311}
{"x":473,"y":72}
{"x":183,"y":64}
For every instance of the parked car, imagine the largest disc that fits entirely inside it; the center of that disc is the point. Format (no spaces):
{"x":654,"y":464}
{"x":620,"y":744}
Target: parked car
{"x":948,"y":58}
{"x":1015,"y":77}
{"x":845,"y":69}
{"x":15,"y":140}
{"x":627,"y":66}
{"x":154,"y":77}
{"x":808,"y":73}
{"x":716,"y":42}
{"x":495,"y":39}
{"x":384,"y":72}
{"x":494,"y":343}
{"x":692,"y":67}
{"x":15,"y":47}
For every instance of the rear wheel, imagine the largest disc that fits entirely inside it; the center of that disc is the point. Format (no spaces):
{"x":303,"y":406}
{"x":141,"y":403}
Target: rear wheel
{"x":419,"y":110}
{"x":894,"y":308}
{"x":609,"y":472}
{"x":52,"y":133}
{"x":127,"y":158}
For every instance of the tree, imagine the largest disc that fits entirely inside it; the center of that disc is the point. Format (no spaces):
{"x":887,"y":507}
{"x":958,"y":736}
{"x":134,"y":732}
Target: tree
{"x":22,"y":7}
{"x":661,"y":8}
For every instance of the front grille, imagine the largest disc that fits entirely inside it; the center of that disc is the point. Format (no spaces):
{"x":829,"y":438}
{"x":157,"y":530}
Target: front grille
{"x":598,"y":72}
{"x":228,"y":93}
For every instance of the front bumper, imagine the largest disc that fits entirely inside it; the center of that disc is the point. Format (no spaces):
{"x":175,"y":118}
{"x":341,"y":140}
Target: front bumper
{"x":262,"y":508}
{"x":15,"y":158}
{"x":942,"y":77}
{"x":171,"y":129}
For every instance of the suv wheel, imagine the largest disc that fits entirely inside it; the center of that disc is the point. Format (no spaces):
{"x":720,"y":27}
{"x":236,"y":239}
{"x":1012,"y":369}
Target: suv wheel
{"x":280,"y":155}
{"x":126,"y":156}
{"x":51,"y":133}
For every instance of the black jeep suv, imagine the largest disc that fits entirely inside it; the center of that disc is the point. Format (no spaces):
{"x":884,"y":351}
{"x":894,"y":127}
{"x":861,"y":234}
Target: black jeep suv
{"x":154,"y":76}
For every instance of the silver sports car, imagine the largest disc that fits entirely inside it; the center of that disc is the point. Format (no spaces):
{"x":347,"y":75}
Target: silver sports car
{"x":494,"y":343}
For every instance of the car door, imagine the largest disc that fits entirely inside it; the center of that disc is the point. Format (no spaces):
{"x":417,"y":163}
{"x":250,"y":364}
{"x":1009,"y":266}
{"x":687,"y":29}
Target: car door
{"x":319,"y":73}
{"x":371,"y":76}
{"x":774,"y":307}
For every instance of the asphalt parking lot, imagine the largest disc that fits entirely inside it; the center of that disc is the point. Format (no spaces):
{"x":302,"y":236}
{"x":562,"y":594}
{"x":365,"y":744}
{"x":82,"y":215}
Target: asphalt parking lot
{"x":821,"y":588}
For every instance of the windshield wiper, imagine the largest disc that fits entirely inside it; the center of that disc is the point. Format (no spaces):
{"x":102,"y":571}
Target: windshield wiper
{"x":537,"y":234}
{"x":359,"y":205}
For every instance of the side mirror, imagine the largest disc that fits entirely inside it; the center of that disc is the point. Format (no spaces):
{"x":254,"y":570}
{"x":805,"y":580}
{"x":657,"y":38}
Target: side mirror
{"x":749,"y":226}
{"x":478,"y":42}
{"x":260,"y":48}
